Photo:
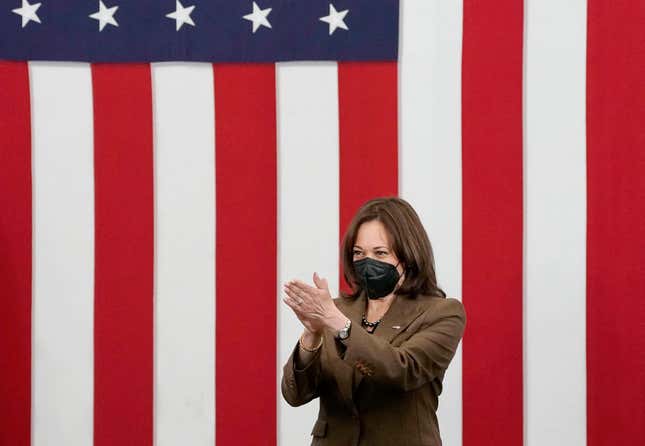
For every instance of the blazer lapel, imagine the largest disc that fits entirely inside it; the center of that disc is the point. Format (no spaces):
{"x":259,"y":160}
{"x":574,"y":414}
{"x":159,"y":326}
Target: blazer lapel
{"x":400,"y":314}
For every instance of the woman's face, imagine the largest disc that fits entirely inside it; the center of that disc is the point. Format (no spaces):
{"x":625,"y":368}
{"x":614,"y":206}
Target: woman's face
{"x":372,"y":241}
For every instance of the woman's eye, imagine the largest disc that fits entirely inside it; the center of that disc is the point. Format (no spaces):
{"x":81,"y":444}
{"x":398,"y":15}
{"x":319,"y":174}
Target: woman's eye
{"x":381,"y":253}
{"x":357,"y":253}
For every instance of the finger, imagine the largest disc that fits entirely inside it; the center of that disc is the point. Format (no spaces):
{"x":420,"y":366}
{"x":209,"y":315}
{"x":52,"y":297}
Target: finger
{"x":298,"y":293}
{"x":317,"y":281}
{"x":321,"y":283}
{"x":287,"y":288}
{"x":291,"y":286}
{"x":306,"y":291}
{"x":297,"y":299}
{"x":299,"y":314}
{"x":303,"y":287}
{"x":292,"y":304}
{"x":293,"y":295}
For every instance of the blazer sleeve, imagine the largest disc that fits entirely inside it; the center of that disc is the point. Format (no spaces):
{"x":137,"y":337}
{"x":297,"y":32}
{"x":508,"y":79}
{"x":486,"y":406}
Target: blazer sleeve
{"x":416,"y":361}
{"x":300,"y":386}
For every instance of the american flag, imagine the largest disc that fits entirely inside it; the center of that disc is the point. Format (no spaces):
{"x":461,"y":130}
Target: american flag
{"x":167,"y":164}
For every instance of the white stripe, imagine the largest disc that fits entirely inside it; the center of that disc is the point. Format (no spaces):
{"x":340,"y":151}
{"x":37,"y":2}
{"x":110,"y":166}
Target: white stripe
{"x":63,"y":254}
{"x":308,"y":239}
{"x":555,"y":206}
{"x":185,"y":254}
{"x":430,"y":156}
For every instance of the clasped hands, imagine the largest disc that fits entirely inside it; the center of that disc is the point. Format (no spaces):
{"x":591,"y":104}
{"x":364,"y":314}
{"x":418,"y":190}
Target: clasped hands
{"x":313,"y":305}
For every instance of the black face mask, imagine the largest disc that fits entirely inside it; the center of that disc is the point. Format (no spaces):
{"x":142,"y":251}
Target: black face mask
{"x":377,"y":278}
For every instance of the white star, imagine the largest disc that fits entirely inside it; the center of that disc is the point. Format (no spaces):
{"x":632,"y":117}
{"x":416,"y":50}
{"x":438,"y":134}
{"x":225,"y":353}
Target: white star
{"x":336,"y":19}
{"x":105,"y":15}
{"x":258,"y":17}
{"x":181,"y":15}
{"x":27,"y":12}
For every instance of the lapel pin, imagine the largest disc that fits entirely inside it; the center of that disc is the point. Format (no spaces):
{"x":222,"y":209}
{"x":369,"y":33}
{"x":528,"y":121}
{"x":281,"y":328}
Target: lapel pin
{"x":396,"y":327}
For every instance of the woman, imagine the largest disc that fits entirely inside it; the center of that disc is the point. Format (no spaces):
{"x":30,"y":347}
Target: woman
{"x":376,"y":358}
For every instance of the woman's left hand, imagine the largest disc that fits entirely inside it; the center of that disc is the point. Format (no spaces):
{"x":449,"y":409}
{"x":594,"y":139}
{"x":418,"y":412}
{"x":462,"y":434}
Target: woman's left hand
{"x":313,"y":304}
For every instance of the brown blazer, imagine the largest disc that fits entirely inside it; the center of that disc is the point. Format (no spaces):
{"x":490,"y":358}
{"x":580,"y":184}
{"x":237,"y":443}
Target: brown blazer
{"x":381,"y":388}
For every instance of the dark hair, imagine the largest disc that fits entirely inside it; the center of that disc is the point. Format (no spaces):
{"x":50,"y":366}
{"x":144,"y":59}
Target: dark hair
{"x":408,"y":239}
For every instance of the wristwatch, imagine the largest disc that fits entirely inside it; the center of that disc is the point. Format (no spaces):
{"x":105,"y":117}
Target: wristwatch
{"x":343,"y":333}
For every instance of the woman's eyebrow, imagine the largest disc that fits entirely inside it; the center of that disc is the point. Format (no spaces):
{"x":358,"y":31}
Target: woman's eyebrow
{"x":376,"y":247}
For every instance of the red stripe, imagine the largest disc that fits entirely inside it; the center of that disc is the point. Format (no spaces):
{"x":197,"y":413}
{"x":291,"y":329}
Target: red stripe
{"x":124,"y":255}
{"x":368,"y":113}
{"x":246,"y":254}
{"x":15,"y":262}
{"x":492,"y":222}
{"x":615,"y":223}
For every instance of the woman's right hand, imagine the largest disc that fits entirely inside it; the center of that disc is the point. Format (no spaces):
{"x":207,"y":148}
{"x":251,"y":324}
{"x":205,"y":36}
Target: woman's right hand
{"x":310,"y":328}
{"x":312,"y":325}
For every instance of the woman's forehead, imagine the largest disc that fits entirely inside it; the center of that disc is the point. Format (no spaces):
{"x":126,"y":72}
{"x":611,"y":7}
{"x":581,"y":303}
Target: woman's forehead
{"x":372,"y":234}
